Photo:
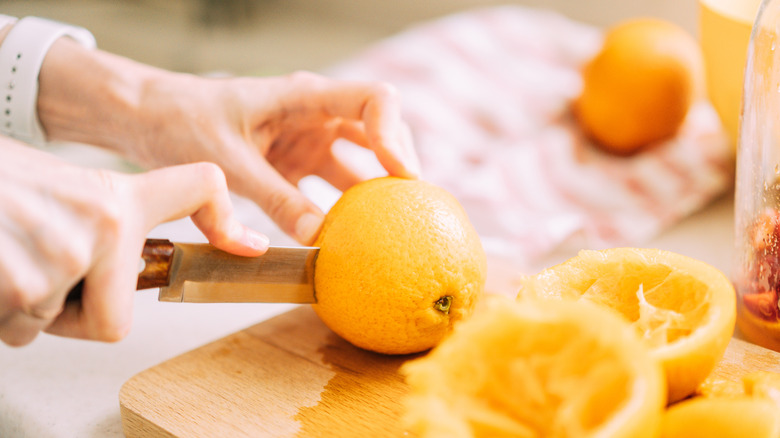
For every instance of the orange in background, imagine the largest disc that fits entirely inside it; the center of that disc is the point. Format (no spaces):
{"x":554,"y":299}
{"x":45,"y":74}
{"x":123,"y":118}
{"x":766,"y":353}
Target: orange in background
{"x":637,"y":90}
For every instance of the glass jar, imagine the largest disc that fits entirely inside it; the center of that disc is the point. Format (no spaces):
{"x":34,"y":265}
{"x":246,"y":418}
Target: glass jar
{"x":757,"y":201}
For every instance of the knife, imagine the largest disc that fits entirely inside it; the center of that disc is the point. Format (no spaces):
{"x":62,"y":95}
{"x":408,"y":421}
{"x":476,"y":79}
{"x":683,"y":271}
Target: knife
{"x":201,"y":273}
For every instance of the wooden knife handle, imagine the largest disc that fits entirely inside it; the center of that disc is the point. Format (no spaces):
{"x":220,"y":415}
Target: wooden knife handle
{"x":158,"y":258}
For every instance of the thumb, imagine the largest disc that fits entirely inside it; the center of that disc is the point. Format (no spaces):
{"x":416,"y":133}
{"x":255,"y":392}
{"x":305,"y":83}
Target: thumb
{"x":198,"y":190}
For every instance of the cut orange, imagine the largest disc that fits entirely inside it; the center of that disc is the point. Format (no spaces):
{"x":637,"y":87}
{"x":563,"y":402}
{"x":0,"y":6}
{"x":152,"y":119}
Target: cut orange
{"x":759,"y":384}
{"x":703,"y":417}
{"x":399,"y":265}
{"x":763,"y":384}
{"x":718,"y":387}
{"x":683,"y":308}
{"x":537,"y":369}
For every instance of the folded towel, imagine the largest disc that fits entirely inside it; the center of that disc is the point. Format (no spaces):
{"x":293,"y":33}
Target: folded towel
{"x":487,"y":94}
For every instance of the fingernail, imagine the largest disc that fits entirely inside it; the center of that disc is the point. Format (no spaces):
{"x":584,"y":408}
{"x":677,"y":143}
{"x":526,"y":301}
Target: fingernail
{"x":307,"y":227}
{"x":256,"y":240}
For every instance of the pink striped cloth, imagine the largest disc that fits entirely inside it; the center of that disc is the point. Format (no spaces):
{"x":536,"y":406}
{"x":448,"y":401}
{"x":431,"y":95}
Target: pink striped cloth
{"x":487,"y":94}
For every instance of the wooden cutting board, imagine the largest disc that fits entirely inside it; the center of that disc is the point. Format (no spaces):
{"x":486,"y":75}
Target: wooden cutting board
{"x":292,"y":376}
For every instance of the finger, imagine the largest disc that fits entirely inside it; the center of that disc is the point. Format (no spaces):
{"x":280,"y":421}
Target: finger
{"x":198,"y":190}
{"x":105,"y":310}
{"x":353,"y":131}
{"x":20,"y":323}
{"x":314,"y":154}
{"x":375,"y":104}
{"x":295,"y":214}
{"x":18,"y":329}
{"x":390,"y":138}
{"x":407,"y":144}
{"x":338,"y":174}
{"x":339,"y":169}
{"x":26,"y":307}
{"x":27,"y":302}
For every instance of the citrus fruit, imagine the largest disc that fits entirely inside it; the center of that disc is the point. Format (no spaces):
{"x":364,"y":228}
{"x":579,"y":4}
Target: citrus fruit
{"x":399,"y":264}
{"x":638,"y":88}
{"x":764,"y":384}
{"x":684,"y":309}
{"x":703,"y":417}
{"x":536,"y":369}
{"x":718,"y":387}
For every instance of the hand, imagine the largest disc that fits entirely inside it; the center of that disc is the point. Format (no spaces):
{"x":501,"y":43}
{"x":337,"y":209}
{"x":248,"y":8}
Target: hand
{"x":269,"y":133}
{"x":265,"y":133}
{"x":60,"y":223}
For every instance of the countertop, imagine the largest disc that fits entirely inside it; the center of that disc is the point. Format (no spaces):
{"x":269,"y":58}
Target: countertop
{"x":58,"y":387}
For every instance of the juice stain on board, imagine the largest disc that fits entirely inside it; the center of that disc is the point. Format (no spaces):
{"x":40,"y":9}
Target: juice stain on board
{"x":363,"y":398}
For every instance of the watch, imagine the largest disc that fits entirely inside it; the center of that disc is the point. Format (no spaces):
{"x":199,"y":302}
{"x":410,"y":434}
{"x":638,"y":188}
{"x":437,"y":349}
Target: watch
{"x":21,"y":55}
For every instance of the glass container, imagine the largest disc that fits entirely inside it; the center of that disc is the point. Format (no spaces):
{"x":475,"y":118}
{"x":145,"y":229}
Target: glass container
{"x":757,"y":201}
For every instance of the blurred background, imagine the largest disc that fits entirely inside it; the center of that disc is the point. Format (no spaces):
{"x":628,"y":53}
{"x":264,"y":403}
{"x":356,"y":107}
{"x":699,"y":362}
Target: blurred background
{"x":279,"y":36}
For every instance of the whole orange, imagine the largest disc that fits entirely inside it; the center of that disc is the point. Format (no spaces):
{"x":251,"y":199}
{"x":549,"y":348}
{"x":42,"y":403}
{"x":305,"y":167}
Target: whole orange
{"x":639,"y":87}
{"x":399,"y":264}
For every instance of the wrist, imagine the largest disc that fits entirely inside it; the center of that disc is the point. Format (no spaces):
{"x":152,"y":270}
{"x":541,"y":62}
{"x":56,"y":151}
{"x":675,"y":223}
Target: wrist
{"x":91,"y":96}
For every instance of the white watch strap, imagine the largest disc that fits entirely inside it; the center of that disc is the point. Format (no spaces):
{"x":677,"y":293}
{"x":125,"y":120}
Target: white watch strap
{"x":21,"y":56}
{"x":5,"y":20}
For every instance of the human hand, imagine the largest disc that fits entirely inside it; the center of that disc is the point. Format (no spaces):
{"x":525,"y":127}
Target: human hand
{"x":265,"y":133}
{"x":269,"y":133}
{"x":60,"y":223}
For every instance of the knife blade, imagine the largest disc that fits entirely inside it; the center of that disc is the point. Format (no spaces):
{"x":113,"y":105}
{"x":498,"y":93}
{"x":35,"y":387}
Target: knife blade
{"x":201,"y":273}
